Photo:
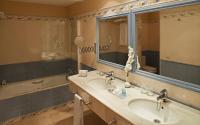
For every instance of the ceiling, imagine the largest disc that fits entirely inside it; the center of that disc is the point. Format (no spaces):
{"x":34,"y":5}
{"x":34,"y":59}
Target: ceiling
{"x":50,"y":2}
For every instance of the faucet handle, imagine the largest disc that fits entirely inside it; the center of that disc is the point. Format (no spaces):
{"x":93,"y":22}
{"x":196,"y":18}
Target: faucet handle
{"x":164,"y":92}
{"x":111,"y":73}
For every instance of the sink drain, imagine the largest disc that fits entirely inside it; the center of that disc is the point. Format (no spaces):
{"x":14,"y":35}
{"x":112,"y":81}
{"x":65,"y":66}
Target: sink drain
{"x":156,"y":121}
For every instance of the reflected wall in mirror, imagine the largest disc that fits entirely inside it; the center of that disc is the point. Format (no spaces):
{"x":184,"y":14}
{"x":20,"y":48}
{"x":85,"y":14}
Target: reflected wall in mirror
{"x":113,"y":40}
{"x":168,"y":42}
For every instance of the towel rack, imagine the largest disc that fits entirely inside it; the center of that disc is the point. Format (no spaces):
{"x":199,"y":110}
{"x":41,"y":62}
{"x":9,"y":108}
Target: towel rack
{"x":82,"y":100}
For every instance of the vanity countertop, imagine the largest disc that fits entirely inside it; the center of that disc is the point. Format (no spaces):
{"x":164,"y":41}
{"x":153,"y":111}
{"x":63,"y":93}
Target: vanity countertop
{"x":186,"y":115}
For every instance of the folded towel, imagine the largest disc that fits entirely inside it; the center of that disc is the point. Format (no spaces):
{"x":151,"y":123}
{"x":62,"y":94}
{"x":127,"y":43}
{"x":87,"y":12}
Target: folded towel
{"x":78,"y":110}
{"x":83,"y":73}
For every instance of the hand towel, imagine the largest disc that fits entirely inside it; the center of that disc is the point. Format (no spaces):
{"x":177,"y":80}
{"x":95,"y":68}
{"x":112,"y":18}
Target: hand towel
{"x":78,"y":110}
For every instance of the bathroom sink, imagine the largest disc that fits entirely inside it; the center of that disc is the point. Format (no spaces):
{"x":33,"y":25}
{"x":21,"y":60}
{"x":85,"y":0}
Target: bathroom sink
{"x":100,"y":83}
{"x":147,"y":109}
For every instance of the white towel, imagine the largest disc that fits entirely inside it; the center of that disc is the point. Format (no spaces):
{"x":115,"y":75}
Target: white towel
{"x":78,"y":110}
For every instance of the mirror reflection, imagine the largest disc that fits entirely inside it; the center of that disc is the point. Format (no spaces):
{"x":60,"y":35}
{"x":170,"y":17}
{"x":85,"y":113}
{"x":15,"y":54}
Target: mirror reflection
{"x":168,"y":42}
{"x":113,"y":40}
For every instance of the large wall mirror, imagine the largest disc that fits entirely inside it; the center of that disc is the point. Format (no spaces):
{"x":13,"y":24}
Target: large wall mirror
{"x":168,"y":44}
{"x":113,"y":40}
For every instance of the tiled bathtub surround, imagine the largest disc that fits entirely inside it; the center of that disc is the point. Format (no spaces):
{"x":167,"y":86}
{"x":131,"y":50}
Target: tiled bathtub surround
{"x":184,"y":72}
{"x":24,"y":97}
{"x":26,"y":71}
{"x":29,"y":103}
{"x":115,"y":57}
{"x":152,"y":58}
{"x":31,"y":70}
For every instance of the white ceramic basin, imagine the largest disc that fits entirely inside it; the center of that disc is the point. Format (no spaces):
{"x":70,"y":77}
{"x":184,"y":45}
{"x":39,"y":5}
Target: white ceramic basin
{"x":100,"y":83}
{"x":147,"y":109}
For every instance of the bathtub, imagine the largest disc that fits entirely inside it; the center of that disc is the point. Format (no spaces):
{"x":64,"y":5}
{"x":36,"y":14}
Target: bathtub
{"x":21,"y":98}
{"x":31,"y":86}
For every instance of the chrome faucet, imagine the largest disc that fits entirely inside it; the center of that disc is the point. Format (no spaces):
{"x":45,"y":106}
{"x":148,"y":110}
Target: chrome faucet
{"x":110,"y":74}
{"x":162,"y":100}
{"x":163,"y":95}
{"x":109,"y":77}
{"x":108,"y":81}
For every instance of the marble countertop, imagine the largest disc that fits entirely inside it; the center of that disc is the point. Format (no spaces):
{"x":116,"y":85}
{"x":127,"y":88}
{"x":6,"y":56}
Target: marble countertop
{"x":185,"y":114}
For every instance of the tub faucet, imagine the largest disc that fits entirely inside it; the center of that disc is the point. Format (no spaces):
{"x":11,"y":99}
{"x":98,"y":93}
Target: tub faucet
{"x":163,"y":95}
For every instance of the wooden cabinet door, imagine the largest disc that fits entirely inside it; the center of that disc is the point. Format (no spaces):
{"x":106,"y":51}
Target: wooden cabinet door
{"x":98,"y":108}
{"x":113,"y":118}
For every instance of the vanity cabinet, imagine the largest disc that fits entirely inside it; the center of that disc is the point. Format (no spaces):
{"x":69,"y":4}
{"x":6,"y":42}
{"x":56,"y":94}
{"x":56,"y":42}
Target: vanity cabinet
{"x":106,"y":114}
{"x":113,"y":118}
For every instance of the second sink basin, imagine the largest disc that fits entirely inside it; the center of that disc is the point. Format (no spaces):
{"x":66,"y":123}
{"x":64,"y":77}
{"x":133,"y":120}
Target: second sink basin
{"x":147,"y":109}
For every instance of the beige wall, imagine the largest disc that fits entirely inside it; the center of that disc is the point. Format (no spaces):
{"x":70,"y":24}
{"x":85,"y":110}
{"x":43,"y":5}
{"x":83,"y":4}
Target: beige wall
{"x":19,"y":8}
{"x":90,"y":5}
{"x":110,"y":33}
{"x":180,"y":39}
{"x":148,"y":31}
{"x":177,"y":38}
{"x":26,"y":40}
{"x":89,"y":33}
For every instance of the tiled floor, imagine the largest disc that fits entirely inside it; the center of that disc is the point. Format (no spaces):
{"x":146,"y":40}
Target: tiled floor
{"x":59,"y":115}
